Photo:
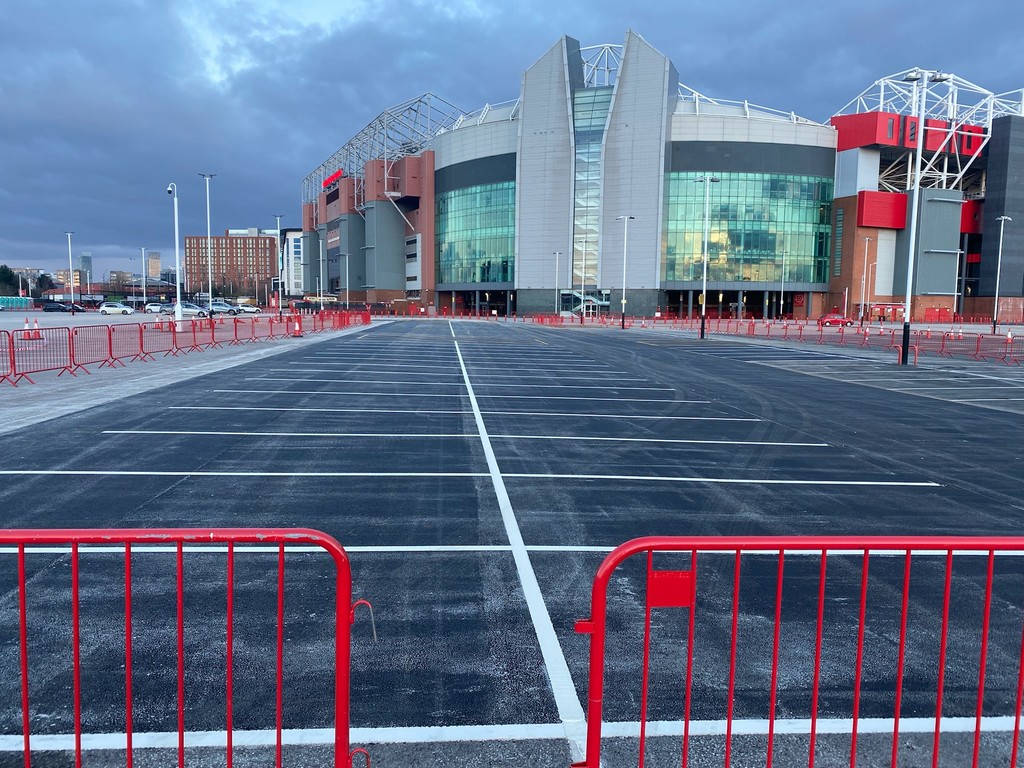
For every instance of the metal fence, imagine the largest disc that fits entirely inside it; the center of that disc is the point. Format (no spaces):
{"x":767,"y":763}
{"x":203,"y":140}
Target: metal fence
{"x":78,"y":590}
{"x":726,"y":635}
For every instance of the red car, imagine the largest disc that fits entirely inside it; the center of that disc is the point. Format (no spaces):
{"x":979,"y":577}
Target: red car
{"x":835,"y":318}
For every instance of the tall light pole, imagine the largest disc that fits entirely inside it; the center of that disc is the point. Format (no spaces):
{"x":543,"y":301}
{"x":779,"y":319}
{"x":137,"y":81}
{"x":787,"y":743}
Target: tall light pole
{"x":280,"y":267}
{"x":999,"y":266}
{"x":346,"y":281}
{"x":172,"y":190}
{"x":625,"y":242}
{"x":920,"y":78}
{"x":71,"y":269}
{"x":209,"y":244}
{"x":143,"y":249}
{"x":864,"y":280}
{"x":782,"y":291}
{"x":323,"y":263}
{"x":557,"y":296}
{"x":871,"y":283}
{"x":707,"y":181}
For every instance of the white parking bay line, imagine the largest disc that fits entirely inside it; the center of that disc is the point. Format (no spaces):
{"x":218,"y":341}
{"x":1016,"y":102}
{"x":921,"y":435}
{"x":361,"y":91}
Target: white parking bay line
{"x":455,"y":383}
{"x":426,"y":394}
{"x":570,"y":712}
{"x":199,"y":473}
{"x":729,"y":480}
{"x":388,"y":435}
{"x":424,"y":412}
{"x":576,"y":438}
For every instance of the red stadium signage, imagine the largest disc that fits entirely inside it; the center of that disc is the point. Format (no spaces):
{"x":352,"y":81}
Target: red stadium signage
{"x":333,"y":178}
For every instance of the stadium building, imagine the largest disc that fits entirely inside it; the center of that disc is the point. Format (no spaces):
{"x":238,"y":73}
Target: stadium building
{"x":606,"y":181}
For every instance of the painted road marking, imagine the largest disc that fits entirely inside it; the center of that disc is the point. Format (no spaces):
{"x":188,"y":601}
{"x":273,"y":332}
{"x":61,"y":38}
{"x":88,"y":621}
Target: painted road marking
{"x":545,"y":414}
{"x":562,"y":687}
{"x":573,"y":438}
{"x":459,"y":394}
{"x":65,"y":742}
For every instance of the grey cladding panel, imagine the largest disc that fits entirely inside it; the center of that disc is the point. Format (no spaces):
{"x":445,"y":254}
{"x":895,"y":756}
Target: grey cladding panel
{"x":486,"y":170}
{"x":750,"y":157}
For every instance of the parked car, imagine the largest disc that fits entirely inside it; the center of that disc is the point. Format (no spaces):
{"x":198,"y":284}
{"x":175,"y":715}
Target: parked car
{"x":187,"y":310}
{"x":835,"y":318}
{"x":223,"y":308}
{"x":115,"y":308}
{"x":55,"y":306}
{"x":247,"y":309}
{"x":153,"y":308}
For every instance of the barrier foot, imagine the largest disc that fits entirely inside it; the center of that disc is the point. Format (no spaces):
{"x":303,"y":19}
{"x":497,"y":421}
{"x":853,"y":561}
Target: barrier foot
{"x":9,"y":380}
{"x":21,"y":376}
{"x":69,"y":370}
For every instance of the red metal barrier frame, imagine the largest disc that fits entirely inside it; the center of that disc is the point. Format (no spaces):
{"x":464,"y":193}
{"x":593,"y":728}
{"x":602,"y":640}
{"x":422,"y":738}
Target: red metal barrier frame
{"x":230,"y":536}
{"x":677,"y":589}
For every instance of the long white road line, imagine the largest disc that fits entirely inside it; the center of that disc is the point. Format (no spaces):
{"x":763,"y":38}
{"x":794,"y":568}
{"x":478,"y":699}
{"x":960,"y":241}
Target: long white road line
{"x":567,"y":701}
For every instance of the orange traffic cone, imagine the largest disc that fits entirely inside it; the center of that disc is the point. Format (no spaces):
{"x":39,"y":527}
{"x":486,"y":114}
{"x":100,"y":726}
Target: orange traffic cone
{"x":27,"y":333}
{"x":36,"y":333}
{"x":297,"y":333}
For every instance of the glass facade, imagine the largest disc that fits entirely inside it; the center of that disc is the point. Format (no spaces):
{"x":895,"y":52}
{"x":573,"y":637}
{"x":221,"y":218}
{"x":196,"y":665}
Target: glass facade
{"x":476,"y":234}
{"x":755,"y":221}
{"x":590,"y":114}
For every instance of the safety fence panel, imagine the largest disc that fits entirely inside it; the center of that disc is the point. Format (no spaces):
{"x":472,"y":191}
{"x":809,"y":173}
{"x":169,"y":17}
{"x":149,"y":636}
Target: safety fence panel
{"x":927,"y":342}
{"x":960,"y":345}
{"x":188,"y":336}
{"x":261,"y":327}
{"x":90,"y":345}
{"x":794,"y":640}
{"x":1016,"y":354}
{"x":157,"y":337}
{"x":125,"y":342}
{"x":876,"y":338}
{"x":7,"y":358}
{"x":222,"y":328}
{"x":995,"y":348}
{"x":41,"y":349}
{"x":124,"y":639}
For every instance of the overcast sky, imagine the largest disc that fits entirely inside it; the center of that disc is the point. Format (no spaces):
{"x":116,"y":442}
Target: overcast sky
{"x":102,"y":103}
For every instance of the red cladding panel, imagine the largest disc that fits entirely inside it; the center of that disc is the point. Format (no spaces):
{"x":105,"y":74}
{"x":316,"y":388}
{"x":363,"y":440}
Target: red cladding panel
{"x":970,"y":217}
{"x":909,"y":134}
{"x":936,"y":136}
{"x":971,"y":137}
{"x":866,"y":130}
{"x":883,"y":210}
{"x":973,"y":258}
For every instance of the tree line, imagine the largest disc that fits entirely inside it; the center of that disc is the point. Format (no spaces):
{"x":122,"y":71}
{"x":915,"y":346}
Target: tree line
{"x":9,"y":283}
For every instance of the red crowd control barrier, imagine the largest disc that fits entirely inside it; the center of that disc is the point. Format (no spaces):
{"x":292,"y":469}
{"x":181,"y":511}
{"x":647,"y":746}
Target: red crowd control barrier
{"x":7,"y":358}
{"x":94,"y":618}
{"x":831,"y":632}
{"x":41,"y":349}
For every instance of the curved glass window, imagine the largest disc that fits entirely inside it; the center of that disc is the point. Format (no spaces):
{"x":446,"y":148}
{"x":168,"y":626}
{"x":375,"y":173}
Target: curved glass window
{"x":476,"y":234}
{"x":755,"y":222}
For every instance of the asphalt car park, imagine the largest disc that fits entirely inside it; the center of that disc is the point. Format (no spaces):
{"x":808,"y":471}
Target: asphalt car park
{"x":478,"y":473}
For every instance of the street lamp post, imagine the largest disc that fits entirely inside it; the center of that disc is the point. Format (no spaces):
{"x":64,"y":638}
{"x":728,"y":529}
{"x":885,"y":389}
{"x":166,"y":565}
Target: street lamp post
{"x":172,"y":189}
{"x":557,"y":302}
{"x":625,"y":242}
{"x":280,"y":267}
{"x":782,"y":290}
{"x":143,"y":249}
{"x":707,"y":181}
{"x":999,"y":266}
{"x":320,"y":280}
{"x":863,"y":281}
{"x":209,"y":244}
{"x":346,"y":281}
{"x":920,"y":78}
{"x":71,"y":269}
{"x":871,"y":277}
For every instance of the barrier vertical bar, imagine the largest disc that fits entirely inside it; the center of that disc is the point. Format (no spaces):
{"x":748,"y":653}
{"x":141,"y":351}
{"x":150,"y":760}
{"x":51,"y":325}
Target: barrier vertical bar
{"x":819,"y":634}
{"x":732,"y":657}
{"x":901,"y":658}
{"x":181,"y":654}
{"x":23,"y":621}
{"x":942,"y":659}
{"x":984,"y":656}
{"x":229,"y":652}
{"x":76,"y":654}
{"x":1020,"y":701}
{"x":343,"y":656}
{"x":645,"y":673}
{"x":858,"y":674}
{"x":775,"y":660}
{"x":280,"y":650}
{"x":689,"y":664}
{"x":129,"y":759}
